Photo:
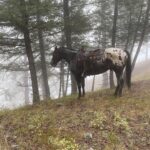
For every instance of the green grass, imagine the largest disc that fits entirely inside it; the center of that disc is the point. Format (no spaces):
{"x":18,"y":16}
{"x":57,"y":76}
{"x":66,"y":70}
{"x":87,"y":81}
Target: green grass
{"x":98,"y":121}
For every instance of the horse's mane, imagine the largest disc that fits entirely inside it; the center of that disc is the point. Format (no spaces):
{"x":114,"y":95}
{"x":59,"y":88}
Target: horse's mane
{"x":71,"y":50}
{"x":75,"y":51}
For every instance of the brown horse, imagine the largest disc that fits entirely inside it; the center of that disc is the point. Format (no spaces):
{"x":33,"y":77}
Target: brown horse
{"x":95,"y":62}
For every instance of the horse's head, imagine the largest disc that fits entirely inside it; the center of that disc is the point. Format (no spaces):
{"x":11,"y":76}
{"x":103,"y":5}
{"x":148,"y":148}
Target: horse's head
{"x":56,"y":57}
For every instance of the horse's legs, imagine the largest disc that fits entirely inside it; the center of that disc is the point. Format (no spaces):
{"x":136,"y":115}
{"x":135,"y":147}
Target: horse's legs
{"x":83,"y":85}
{"x":79,"y":87}
{"x":121,"y":86}
{"x":120,"y":82}
{"x":117,"y":88}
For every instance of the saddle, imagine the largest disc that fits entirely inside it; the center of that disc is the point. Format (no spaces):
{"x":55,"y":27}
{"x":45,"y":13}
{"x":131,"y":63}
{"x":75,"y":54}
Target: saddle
{"x":88,"y":59}
{"x":95,"y":55}
{"x":90,"y":56}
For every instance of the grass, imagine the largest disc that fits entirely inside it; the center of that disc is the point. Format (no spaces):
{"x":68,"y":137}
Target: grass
{"x":98,"y":121}
{"x":143,"y":75}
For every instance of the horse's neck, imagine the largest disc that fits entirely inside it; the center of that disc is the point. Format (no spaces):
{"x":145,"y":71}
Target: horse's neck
{"x":68,"y":55}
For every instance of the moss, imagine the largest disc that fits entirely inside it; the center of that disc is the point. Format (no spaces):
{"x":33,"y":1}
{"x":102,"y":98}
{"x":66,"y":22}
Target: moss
{"x":121,"y":123}
{"x":99,"y":118}
{"x":63,"y":143}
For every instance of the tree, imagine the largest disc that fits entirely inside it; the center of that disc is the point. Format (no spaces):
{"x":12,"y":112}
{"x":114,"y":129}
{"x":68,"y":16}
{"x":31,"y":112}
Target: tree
{"x":136,"y":29}
{"x":24,"y":27}
{"x":67,"y":33}
{"x":14,"y":14}
{"x":102,"y":21}
{"x":26,"y":84}
{"x":46,"y":90}
{"x":75,"y":24}
{"x":114,"y":30}
{"x":142,"y":34}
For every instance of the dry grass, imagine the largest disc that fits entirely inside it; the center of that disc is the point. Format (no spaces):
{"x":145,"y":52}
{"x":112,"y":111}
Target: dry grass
{"x":141,"y":71}
{"x":99,"y":121}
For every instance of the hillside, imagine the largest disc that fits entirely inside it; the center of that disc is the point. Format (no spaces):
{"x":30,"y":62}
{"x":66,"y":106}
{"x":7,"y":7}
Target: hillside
{"x":142,"y":71}
{"x":97,"y":122}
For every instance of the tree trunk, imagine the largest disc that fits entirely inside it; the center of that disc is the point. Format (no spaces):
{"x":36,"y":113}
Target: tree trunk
{"x":136,"y":30}
{"x":128,"y":39}
{"x":67,"y":81}
{"x":28,"y":50}
{"x":142,"y":34}
{"x":67,"y":33}
{"x":114,"y":29}
{"x":59,"y":95}
{"x":26,"y":89}
{"x":105,"y":80}
{"x":103,"y":42}
{"x":146,"y":53}
{"x":62,"y":78}
{"x":36,"y":97}
{"x":129,"y":29}
{"x":46,"y":91}
{"x":93,"y":83}
{"x":26,"y":85}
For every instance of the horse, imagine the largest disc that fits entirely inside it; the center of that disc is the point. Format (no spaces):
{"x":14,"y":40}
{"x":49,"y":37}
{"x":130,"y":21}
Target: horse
{"x":95,"y":62}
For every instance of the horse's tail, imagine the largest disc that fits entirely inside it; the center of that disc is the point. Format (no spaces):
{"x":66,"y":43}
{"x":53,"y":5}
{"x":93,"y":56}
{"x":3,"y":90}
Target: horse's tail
{"x":128,"y":70}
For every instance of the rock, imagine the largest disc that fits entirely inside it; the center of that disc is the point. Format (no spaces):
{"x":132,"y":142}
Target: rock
{"x":90,"y":148}
{"x":14,"y":146}
{"x":88,"y":135}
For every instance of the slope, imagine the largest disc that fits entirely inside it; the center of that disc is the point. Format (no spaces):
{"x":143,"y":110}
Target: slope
{"x":99,"y":121}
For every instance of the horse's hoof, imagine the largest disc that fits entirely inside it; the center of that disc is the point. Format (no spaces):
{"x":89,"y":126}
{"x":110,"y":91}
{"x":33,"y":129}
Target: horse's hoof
{"x":117,"y":95}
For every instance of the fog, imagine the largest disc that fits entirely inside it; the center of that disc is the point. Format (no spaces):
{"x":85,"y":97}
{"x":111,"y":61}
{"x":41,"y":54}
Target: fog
{"x":12,"y":90}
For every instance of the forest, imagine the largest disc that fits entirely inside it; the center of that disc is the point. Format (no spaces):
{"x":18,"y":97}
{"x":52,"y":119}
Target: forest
{"x":30,"y":31}
{"x":49,"y":115}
